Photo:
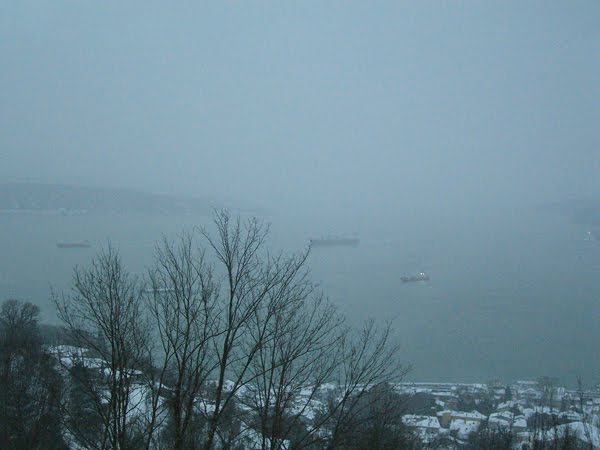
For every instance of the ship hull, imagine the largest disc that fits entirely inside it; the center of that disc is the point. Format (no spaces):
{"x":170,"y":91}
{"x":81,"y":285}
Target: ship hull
{"x":414,"y":278}
{"x":72,"y":245}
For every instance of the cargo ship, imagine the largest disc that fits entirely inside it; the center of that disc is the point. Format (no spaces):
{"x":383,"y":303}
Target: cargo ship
{"x":419,"y":277}
{"x":82,"y":244}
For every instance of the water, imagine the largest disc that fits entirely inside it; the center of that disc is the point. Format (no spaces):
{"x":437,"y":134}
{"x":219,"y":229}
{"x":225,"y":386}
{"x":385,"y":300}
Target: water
{"x":513,"y":294}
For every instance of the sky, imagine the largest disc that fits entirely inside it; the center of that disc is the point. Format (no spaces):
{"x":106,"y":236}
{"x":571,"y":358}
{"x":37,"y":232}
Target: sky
{"x":335,"y":106}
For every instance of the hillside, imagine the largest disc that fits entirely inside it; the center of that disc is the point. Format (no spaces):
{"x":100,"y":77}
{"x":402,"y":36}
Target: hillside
{"x":78,"y":199}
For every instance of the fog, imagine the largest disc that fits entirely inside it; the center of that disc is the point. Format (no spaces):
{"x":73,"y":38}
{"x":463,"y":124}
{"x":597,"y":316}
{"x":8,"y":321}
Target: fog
{"x":438,"y":132}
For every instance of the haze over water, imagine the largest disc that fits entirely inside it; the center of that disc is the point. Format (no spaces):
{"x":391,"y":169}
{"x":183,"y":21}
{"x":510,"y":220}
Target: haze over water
{"x":432,"y":130}
{"x":503,"y":302}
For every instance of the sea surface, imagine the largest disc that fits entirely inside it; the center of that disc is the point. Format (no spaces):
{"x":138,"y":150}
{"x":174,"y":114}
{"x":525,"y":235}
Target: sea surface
{"x":513,"y":294}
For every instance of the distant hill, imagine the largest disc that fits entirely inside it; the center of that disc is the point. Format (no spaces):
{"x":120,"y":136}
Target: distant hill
{"x":78,"y":199}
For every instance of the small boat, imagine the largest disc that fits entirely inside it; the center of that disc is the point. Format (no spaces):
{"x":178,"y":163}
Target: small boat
{"x":419,"y":277}
{"x":82,"y":244}
{"x":593,"y":235}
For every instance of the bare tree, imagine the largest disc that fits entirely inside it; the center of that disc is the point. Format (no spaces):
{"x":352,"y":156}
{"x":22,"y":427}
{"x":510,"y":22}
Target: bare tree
{"x":300,"y":352}
{"x":544,"y":421}
{"x":104,"y":314}
{"x":493,"y":438}
{"x":234,"y":324}
{"x":30,"y":387}
{"x":378,"y":424}
{"x":183,"y":306}
{"x":590,"y":431}
{"x":275,"y":336}
{"x":248,"y":320}
{"x":371,"y":357}
{"x":248,"y":278}
{"x":307,"y":344}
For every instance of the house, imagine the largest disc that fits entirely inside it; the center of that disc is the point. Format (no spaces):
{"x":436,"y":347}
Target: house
{"x":507,"y":406}
{"x":508,"y":421}
{"x":519,"y":424}
{"x":500,"y":420}
{"x":447,"y":416}
{"x":426,"y":428}
{"x":570,"y":416}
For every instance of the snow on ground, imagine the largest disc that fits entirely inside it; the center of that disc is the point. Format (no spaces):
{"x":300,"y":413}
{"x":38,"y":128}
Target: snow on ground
{"x":464,"y":427}
{"x":587,"y":433}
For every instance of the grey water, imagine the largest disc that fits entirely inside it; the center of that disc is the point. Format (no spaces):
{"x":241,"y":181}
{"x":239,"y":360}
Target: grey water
{"x":513,"y":294}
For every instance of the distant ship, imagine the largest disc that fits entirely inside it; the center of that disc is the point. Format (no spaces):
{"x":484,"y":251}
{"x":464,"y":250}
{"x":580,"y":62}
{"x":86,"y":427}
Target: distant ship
{"x":419,"y":277}
{"x":82,"y":244}
{"x":593,"y":235}
{"x":334,"y":242}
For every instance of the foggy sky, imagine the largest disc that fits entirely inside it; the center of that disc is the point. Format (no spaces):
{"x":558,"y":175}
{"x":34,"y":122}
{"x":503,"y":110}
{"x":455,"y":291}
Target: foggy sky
{"x":354,"y":106}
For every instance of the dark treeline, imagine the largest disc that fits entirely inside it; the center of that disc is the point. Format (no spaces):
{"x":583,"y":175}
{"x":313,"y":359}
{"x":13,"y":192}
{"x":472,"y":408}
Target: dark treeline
{"x":221,"y":344}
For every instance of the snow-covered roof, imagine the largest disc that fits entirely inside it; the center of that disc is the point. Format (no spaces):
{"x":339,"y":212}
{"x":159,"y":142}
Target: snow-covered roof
{"x":572,"y":416}
{"x":507,"y":420}
{"x":473,"y":415}
{"x":128,"y":372}
{"x":328,"y":387}
{"x":545,"y":410}
{"x":413,"y":420}
{"x":526,"y":383}
{"x":507,"y":405}
{"x":307,"y":409}
{"x":501,"y":419}
{"x":88,"y":363}
{"x":519,"y":422}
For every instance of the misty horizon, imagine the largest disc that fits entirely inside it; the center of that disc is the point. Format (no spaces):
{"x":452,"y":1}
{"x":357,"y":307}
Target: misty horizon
{"x":460,"y":140}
